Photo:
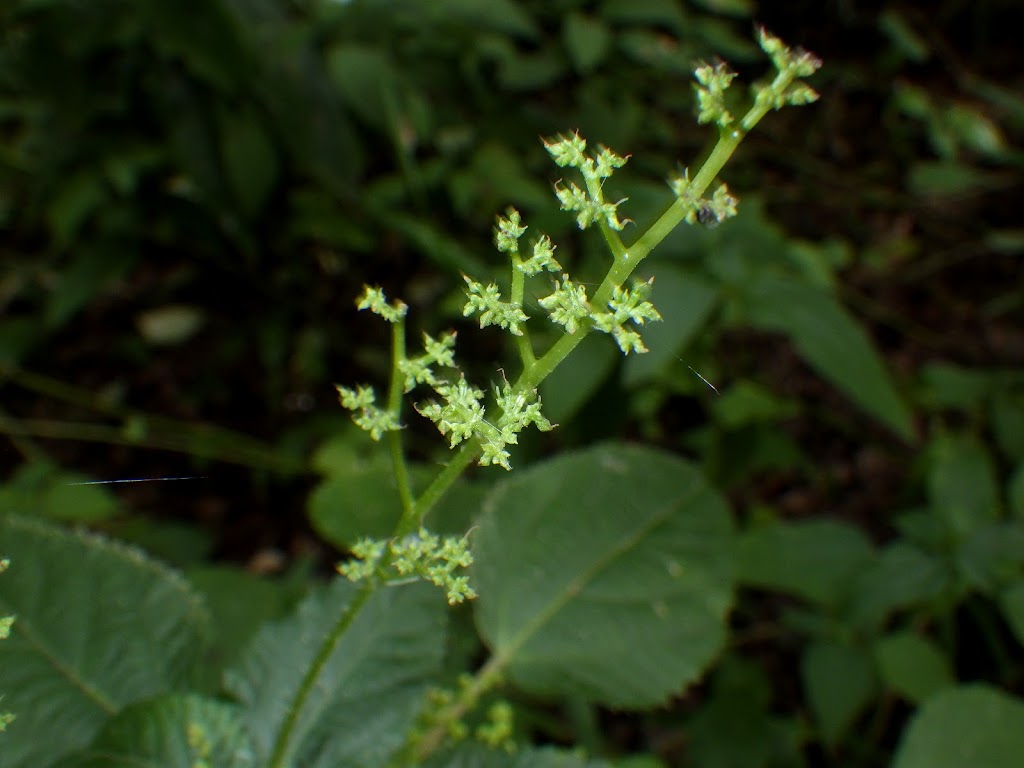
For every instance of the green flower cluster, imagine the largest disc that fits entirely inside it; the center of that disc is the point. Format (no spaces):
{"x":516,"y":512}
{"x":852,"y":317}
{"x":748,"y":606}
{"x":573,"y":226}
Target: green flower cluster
{"x":421,"y":555}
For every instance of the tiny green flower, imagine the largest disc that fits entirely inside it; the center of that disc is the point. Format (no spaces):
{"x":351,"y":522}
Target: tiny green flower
{"x":374,"y":300}
{"x":493,"y":311}
{"x":627,"y":306}
{"x":461,"y":415}
{"x":508,"y":231}
{"x":713,"y":81}
{"x":567,"y":150}
{"x":366,"y":415}
{"x":543,"y":258}
{"x":567,"y":305}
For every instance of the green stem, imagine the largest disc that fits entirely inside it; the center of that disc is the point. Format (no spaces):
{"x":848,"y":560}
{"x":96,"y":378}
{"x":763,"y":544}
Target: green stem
{"x":439,"y":486}
{"x":284,"y":737}
{"x":395,"y":392}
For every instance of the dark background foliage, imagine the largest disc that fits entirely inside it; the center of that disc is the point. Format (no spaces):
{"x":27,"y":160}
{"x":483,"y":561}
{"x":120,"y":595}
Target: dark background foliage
{"x":192,"y":192}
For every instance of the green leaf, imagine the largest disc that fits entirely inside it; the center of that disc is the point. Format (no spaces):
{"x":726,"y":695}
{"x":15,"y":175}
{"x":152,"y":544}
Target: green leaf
{"x":362,"y":698}
{"x":992,"y":556}
{"x":962,"y":486}
{"x":569,"y":387}
{"x":587,"y":40}
{"x":1008,"y":422}
{"x":839,"y":682}
{"x":901,"y":576}
{"x":948,"y":179}
{"x":173,"y":731}
{"x":250,"y":159}
{"x":832,"y":342}
{"x":99,"y":626}
{"x":966,"y":727}
{"x":604,"y":574}
{"x":240,"y":603}
{"x":685,"y":301}
{"x":912,"y":665}
{"x":349,"y":505}
{"x":816,"y":560}
{"x":740,"y":705}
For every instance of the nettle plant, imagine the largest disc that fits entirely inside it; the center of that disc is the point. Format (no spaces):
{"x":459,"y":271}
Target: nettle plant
{"x":603,"y":576}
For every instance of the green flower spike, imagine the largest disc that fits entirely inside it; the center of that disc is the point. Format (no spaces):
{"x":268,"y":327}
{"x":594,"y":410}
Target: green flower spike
{"x":367,"y":416}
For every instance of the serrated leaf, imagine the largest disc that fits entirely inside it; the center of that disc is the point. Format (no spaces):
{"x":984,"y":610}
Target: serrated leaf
{"x":839,"y":682}
{"x":604,"y":574}
{"x":362,"y":699}
{"x":816,"y":560}
{"x":173,"y":731}
{"x":912,"y":665}
{"x":832,"y":342}
{"x":964,"y":727}
{"x":99,"y":626}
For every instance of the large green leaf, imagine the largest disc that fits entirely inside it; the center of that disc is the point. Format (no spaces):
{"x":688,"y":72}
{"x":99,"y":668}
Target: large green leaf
{"x":966,"y":727}
{"x":173,"y":731}
{"x":604,"y":574}
{"x":362,"y":693}
{"x":99,"y":626}
{"x":832,"y":342}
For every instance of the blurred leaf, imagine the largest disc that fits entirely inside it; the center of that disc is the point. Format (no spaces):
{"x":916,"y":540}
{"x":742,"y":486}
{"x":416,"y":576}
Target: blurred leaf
{"x":901,"y":576}
{"x":902,"y":36}
{"x":748,"y":403}
{"x":973,"y":725}
{"x":587,"y":39}
{"x":962,"y":484}
{"x":685,"y":301}
{"x":501,"y":15}
{"x":366,"y":691}
{"x":950,"y":386}
{"x":569,"y":387}
{"x":839,"y":682}
{"x":78,"y":198}
{"x":740,"y":705}
{"x":832,"y":342}
{"x":172,"y":731}
{"x":240,"y":603}
{"x":992,"y":555}
{"x":976,"y":131}
{"x":948,"y":179}
{"x":92,"y":269}
{"x":99,"y":626}
{"x":815,"y":559}
{"x":354,"y":503}
{"x":79,"y":503}
{"x":250,"y":159}
{"x":170,"y":324}
{"x":913,"y":666}
{"x":604,"y":574}
{"x":1008,"y":422}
